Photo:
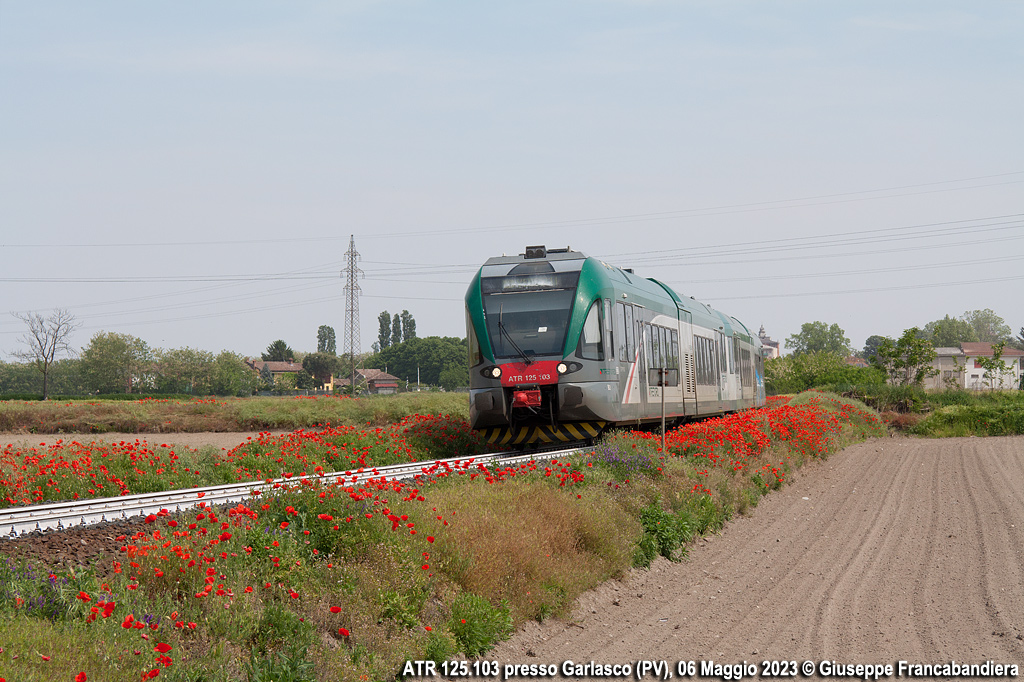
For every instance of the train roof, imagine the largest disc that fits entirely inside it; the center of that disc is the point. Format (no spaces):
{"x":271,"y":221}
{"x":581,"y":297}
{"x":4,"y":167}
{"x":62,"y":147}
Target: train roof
{"x":538,"y":259}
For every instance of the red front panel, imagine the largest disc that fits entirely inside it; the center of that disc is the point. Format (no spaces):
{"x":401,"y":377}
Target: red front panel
{"x":529,"y":398}
{"x":519,"y":373}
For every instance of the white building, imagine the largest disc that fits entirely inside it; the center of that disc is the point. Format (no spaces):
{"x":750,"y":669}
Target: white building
{"x":961,"y":367}
{"x":769,"y":347}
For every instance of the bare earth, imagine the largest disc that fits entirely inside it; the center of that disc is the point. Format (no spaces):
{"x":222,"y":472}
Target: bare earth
{"x":892,"y":550}
{"x":224,"y":440}
{"x":895,"y":549}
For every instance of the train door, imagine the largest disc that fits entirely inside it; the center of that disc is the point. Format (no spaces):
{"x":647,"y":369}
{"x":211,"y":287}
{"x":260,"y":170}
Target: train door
{"x":723,"y":366}
{"x":687,"y":367}
{"x":643,"y":341}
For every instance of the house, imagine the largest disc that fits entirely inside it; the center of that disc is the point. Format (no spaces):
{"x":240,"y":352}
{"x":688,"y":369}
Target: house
{"x":280,"y":369}
{"x":769,"y":348}
{"x":378,"y":382}
{"x":962,"y":368}
{"x":277,"y":368}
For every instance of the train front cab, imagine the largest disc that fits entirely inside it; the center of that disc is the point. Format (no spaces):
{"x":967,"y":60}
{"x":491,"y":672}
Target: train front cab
{"x":537,"y":333}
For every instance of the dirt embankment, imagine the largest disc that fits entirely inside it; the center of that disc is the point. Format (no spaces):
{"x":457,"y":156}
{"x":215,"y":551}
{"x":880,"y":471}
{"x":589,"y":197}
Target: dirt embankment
{"x":225,"y":440}
{"x":94,"y":545}
{"x":891,"y":550}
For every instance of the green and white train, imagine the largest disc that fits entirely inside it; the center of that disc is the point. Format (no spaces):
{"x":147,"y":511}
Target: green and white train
{"x":562,"y":346}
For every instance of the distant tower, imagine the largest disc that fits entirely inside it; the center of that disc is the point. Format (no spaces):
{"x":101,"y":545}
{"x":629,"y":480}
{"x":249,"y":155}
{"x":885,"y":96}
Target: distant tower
{"x":351,"y":274}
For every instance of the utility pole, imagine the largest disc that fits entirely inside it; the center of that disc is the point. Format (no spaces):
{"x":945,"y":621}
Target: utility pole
{"x":351,"y":274}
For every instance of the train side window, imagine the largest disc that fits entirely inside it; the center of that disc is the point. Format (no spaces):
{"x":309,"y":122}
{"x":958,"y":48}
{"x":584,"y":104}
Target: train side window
{"x":674,"y":350}
{"x":620,"y":332}
{"x":647,"y":350}
{"x":701,"y":358}
{"x":607,"y":326}
{"x":475,"y":356}
{"x":722,"y":352}
{"x":655,"y":347}
{"x":709,"y":362}
{"x":663,"y":345}
{"x":591,"y":346}
{"x":630,"y":334}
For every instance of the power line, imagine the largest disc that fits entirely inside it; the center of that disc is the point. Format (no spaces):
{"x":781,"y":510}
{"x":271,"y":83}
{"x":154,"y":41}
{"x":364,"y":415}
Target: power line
{"x":775,"y":204}
{"x":905,"y":287}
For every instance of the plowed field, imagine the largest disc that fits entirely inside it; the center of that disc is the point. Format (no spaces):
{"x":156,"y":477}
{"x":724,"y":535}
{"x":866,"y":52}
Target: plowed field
{"x":891,"y":550}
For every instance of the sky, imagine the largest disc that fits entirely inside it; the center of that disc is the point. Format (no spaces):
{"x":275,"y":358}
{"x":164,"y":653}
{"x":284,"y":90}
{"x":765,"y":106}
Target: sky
{"x":191,"y":173}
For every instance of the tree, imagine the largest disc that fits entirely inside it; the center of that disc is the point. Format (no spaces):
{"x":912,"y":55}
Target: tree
{"x":871,"y":347}
{"x":453,"y":377}
{"x":817,"y":337}
{"x":115,"y":363}
{"x":321,"y":366}
{"x":326,"y":341}
{"x":45,"y":338}
{"x":304,"y":380}
{"x":1018,"y":341}
{"x":267,"y":377}
{"x":278,"y":351}
{"x":184,"y":370}
{"x":907,"y":362}
{"x":396,"y":330}
{"x":950,"y":332}
{"x":232,"y":375}
{"x":430,"y":355}
{"x":408,"y":326}
{"x":989,"y":327}
{"x":995,"y":367}
{"x":384,"y":334}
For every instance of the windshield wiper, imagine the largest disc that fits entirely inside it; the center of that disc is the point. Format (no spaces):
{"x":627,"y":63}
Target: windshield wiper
{"x":501,"y":329}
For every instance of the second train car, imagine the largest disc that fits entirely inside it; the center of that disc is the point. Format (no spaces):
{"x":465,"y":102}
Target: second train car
{"x":562,"y":346}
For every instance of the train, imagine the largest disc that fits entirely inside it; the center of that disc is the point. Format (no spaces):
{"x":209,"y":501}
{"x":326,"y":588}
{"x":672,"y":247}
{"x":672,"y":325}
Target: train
{"x":563,"y":346}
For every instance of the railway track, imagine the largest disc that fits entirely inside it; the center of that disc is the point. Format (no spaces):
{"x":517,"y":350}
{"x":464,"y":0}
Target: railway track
{"x":18,"y":521}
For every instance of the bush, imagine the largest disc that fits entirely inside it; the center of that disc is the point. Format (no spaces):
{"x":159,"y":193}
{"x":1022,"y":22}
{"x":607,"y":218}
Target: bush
{"x":665,"y":533}
{"x":477,"y":625}
{"x":796,"y":373}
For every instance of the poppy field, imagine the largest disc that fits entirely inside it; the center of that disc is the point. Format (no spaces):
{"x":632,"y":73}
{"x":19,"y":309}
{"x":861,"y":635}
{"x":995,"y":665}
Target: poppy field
{"x":337,"y":580}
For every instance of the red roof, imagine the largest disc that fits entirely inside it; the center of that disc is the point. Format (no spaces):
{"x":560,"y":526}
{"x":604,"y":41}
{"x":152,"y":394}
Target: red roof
{"x":982,"y":349}
{"x":277,"y":367}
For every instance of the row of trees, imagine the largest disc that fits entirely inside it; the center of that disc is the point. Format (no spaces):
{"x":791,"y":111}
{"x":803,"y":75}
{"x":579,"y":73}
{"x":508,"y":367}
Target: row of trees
{"x":819,"y":351}
{"x":974,"y":325}
{"x":120,"y":363}
{"x":435,"y":360}
{"x":394,"y":330}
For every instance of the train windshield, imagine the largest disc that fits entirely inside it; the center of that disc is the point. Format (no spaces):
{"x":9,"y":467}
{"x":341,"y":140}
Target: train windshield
{"x":528,"y":315}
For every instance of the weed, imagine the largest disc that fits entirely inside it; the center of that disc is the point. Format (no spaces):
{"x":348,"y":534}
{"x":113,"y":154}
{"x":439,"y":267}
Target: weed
{"x":476,"y":625}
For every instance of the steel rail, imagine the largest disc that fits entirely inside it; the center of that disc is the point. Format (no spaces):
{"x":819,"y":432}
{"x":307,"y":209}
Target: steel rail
{"x":18,"y":521}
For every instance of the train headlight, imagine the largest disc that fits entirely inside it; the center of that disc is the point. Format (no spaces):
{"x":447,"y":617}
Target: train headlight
{"x":496,"y":372}
{"x":562,"y":368}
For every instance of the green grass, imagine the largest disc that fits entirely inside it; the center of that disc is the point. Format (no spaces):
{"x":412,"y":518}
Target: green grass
{"x":439,"y":568}
{"x":227,"y":414}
